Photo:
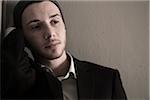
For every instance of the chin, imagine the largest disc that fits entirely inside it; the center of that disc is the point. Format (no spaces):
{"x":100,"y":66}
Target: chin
{"x":54,"y":55}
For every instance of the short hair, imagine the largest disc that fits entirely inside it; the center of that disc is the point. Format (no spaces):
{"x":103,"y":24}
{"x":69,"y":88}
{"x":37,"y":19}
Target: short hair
{"x":20,"y":7}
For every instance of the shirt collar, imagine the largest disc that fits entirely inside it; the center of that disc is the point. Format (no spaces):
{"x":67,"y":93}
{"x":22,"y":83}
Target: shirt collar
{"x":71,"y":69}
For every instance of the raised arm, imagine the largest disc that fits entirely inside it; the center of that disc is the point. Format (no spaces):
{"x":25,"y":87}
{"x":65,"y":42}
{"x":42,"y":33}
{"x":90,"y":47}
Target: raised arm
{"x":16,"y":72}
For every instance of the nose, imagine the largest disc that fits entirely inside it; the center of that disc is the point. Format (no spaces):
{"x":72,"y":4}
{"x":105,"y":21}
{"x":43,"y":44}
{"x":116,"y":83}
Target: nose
{"x":48,"y":32}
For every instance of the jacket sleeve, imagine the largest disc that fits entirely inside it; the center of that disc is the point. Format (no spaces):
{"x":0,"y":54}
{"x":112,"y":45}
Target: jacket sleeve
{"x":17,"y":75}
{"x":118,"y":90}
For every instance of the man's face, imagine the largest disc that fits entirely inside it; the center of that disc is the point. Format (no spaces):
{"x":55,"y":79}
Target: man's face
{"x":44,"y":29}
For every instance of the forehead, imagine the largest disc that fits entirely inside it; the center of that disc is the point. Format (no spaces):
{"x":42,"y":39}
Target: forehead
{"x":40,"y":9}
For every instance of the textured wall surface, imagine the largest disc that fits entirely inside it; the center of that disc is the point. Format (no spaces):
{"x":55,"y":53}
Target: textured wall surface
{"x":113,"y":34}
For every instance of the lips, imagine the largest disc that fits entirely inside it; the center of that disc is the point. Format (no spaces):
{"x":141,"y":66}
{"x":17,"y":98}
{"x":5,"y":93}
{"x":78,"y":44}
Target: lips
{"x":52,"y":44}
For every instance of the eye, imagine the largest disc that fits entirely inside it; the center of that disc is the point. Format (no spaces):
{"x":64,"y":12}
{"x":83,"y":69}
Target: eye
{"x":35,"y":27}
{"x":54,"y":22}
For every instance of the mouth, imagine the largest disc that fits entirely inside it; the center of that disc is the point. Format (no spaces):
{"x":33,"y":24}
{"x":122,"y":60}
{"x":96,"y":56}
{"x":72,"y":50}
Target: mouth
{"x":52,"y":44}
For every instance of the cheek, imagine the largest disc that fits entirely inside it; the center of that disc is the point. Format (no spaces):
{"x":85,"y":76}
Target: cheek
{"x":62,"y":33}
{"x":34,"y":40}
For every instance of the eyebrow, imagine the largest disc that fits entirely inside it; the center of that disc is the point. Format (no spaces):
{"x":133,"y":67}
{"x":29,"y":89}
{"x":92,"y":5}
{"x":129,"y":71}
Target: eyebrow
{"x":54,"y":15}
{"x":36,"y":20}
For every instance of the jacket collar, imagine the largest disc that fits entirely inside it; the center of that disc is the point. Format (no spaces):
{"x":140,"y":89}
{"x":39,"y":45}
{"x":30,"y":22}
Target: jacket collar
{"x":85,"y":80}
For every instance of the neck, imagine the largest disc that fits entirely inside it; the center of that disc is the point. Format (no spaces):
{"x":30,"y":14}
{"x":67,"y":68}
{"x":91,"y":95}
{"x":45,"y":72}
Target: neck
{"x":59,"y":66}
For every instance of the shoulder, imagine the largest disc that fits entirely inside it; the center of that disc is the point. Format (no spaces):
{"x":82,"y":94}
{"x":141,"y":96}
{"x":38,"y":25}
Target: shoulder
{"x":95,"y":68}
{"x":106,"y":80}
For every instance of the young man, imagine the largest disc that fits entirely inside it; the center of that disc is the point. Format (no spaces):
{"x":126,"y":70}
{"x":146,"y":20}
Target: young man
{"x":53,"y":73}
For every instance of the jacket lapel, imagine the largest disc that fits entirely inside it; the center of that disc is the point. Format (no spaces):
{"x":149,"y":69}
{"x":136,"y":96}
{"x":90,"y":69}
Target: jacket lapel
{"x":85,"y":80}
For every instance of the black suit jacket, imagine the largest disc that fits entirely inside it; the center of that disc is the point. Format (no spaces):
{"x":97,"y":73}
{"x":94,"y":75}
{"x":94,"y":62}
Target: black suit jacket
{"x":23,"y":78}
{"x":98,"y":82}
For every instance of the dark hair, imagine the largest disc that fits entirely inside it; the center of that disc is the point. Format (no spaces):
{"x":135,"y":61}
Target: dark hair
{"x":20,"y":7}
